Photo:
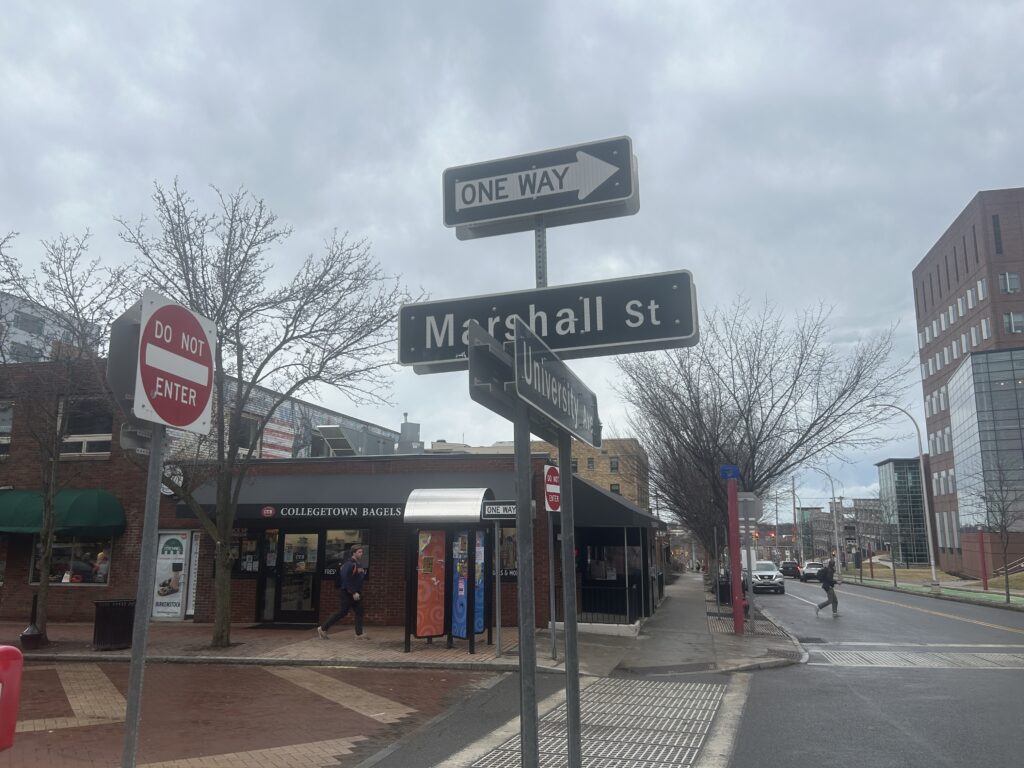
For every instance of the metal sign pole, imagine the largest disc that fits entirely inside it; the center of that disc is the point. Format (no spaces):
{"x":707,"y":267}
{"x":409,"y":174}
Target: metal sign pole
{"x":497,"y":589}
{"x":572,"y":658}
{"x":143,"y":597}
{"x":551,"y":586}
{"x":525,"y":587}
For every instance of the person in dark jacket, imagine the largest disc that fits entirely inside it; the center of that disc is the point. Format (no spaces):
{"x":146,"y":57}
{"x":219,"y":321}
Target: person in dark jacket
{"x":350,"y":586}
{"x":828,"y":583}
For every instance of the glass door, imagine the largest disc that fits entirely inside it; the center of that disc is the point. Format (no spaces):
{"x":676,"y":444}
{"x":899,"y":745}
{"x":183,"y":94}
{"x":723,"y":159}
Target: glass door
{"x":297,"y":577}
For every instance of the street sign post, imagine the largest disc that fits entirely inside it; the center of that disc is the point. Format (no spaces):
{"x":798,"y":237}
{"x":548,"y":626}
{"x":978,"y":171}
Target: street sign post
{"x":174,"y":382}
{"x":609,"y":317}
{"x":550,"y":387}
{"x":560,"y":186}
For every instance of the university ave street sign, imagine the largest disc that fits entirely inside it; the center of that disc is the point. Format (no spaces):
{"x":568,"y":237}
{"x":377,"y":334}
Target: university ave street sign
{"x":174,"y":381}
{"x":561,"y":186}
{"x":544,"y":381}
{"x":610,"y":317}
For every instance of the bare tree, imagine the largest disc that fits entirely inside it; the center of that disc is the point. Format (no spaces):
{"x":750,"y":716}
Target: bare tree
{"x":757,"y":393}
{"x":73,"y":301}
{"x":332,"y":324}
{"x":997,"y":495}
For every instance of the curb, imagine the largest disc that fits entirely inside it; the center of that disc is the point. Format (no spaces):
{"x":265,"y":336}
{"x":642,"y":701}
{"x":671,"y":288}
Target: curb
{"x":941,"y":596}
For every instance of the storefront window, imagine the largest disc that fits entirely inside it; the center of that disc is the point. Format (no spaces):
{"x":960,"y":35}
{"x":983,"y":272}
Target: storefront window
{"x":339,"y":545}
{"x":509,"y":564}
{"x":75,"y":560}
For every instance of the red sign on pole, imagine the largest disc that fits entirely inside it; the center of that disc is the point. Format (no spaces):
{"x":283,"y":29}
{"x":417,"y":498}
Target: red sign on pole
{"x":552,"y":489}
{"x":175,"y":372}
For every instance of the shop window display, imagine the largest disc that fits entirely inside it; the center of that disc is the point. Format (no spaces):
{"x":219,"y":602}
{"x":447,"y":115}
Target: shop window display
{"x":75,"y":560}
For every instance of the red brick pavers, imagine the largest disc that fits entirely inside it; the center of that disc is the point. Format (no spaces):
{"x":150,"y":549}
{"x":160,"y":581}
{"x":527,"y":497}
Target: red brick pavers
{"x":225,"y":716}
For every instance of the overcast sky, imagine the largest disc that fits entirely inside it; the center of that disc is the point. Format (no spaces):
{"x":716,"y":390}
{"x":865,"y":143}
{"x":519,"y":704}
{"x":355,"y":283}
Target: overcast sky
{"x":787,"y":151}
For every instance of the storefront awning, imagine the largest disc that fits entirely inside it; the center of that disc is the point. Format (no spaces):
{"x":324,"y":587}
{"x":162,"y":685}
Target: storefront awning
{"x":427,"y":506}
{"x":79,"y":512}
{"x":594,"y":507}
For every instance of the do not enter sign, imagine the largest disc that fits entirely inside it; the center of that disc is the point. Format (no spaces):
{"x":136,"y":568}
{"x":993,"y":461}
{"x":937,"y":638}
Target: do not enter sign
{"x":552,"y":489}
{"x":175,"y":371}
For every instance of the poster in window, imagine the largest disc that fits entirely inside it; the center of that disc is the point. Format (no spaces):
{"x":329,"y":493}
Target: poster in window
{"x":478,"y":603}
{"x":169,"y":589}
{"x":508,"y":564}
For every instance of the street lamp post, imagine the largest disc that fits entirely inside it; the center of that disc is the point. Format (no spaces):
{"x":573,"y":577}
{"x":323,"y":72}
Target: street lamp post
{"x":835,"y":516}
{"x":924,"y":488}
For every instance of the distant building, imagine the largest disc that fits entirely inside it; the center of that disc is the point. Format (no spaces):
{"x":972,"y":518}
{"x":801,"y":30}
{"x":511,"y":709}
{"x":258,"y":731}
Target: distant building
{"x":969,"y":300}
{"x":901,"y":510}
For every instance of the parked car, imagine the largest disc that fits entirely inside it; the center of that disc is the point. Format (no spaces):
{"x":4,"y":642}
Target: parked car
{"x":767,"y":576}
{"x":790,"y":568}
{"x":810,"y":570}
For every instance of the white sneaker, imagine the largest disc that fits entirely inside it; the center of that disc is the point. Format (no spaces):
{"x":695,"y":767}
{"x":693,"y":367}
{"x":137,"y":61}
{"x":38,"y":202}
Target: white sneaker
{"x":362,"y":637}
{"x":817,"y":610}
{"x":322,"y":632}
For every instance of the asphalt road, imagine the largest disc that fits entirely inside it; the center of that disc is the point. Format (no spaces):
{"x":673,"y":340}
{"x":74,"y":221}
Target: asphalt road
{"x":895,"y":680}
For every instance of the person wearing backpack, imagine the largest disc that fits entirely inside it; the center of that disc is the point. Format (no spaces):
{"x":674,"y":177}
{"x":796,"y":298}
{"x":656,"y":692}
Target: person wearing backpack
{"x":350,"y":586}
{"x":828,"y":583}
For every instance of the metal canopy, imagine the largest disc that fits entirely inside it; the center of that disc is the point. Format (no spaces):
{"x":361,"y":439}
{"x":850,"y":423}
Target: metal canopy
{"x":335,"y":440}
{"x":446,"y":505}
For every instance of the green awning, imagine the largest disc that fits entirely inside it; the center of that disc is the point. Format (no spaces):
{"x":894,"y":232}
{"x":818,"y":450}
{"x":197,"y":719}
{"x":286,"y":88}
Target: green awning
{"x":79,"y":512}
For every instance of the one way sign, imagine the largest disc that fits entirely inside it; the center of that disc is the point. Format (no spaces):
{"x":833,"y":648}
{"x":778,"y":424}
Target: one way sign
{"x":558,"y":186}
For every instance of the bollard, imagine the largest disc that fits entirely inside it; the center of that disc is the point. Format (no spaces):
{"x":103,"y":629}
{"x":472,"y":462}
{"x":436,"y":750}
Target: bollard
{"x":11,"y":662}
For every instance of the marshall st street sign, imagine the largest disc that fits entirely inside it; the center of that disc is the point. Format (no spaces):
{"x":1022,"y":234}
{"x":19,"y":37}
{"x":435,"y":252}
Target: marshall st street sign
{"x":610,"y":317}
{"x":554,"y":187}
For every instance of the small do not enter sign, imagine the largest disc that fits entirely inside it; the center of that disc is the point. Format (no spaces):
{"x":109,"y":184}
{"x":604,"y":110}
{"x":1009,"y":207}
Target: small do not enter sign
{"x":552,"y":489}
{"x":175,"y":372}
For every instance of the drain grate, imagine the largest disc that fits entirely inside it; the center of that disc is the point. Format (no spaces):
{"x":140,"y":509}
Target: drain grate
{"x":781,"y":654}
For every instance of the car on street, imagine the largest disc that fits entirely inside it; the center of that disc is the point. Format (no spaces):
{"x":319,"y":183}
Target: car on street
{"x":768,"y":577}
{"x":810,"y":570}
{"x":790,"y":568}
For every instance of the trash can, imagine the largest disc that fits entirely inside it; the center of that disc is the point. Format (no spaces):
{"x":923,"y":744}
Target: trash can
{"x":115,"y":620}
{"x":724,"y":591}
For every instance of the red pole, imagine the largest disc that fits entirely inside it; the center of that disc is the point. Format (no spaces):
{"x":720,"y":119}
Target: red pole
{"x":734,"y":556}
{"x":984,"y":568}
{"x":871,"y":562}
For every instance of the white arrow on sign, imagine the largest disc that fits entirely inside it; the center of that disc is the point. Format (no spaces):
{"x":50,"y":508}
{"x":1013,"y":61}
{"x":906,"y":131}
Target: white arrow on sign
{"x":583,"y":176}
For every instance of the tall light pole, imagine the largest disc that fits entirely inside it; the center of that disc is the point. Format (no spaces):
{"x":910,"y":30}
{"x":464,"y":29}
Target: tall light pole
{"x":835,"y":515}
{"x":924,"y":487}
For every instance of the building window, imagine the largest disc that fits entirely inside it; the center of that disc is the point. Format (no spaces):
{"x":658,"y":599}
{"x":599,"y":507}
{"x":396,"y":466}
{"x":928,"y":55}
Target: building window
{"x":6,"y":423}
{"x":935,"y":329}
{"x":1009,"y":282}
{"x":986,"y":328}
{"x":960,"y":306}
{"x":942,"y":321}
{"x":963,"y":342}
{"x":974,"y":335}
{"x":28,"y":323}
{"x":88,"y":427}
{"x":338,"y":546}
{"x":75,"y":560}
{"x":970,"y":298}
{"x":927,"y":334}
{"x":249,"y":433}
{"x":1013,"y":322}
{"x":942,"y":398}
{"x":920,"y":341}
{"x":590,"y":462}
{"x":997,"y":233}
{"x":952,"y":314}
{"x":945,"y":355}
{"x":613,"y":463}
{"x":982,"y":289}
{"x":956,"y":349}
{"x":931,"y":367}
{"x":23,"y":353}
{"x":575,"y":465}
{"x":615,"y":487}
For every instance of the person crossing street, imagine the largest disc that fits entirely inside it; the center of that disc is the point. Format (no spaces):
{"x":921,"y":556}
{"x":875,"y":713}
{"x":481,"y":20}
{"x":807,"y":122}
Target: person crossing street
{"x":828,"y":583}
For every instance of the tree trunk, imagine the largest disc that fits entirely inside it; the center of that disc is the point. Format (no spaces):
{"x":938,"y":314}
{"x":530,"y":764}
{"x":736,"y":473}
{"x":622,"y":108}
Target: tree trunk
{"x":46,"y":538}
{"x":222,"y":597}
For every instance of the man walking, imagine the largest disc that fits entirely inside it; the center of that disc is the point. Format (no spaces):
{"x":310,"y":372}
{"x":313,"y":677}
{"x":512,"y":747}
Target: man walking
{"x":350,"y":584}
{"x":828,"y":583}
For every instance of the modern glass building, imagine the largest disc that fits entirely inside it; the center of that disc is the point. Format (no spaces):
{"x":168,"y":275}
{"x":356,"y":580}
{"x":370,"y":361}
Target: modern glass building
{"x":902,"y":510}
{"x":986,"y":410}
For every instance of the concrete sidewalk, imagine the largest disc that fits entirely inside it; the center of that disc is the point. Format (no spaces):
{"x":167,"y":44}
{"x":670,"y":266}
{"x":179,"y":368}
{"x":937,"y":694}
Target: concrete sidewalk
{"x":687,"y":633}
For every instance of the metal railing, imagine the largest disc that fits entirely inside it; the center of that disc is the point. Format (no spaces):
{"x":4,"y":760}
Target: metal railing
{"x":603,"y":605}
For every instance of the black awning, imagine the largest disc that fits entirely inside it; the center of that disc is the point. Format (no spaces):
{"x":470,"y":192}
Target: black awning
{"x":594,"y":507}
{"x":83,"y":512}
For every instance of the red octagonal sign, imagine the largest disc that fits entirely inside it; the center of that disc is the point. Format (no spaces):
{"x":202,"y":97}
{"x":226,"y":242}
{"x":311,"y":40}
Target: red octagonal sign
{"x":175,"y":378}
{"x":552,"y":489}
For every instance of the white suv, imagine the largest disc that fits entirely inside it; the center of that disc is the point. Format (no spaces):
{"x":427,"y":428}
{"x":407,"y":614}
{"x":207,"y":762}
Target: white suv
{"x":767,"y":576}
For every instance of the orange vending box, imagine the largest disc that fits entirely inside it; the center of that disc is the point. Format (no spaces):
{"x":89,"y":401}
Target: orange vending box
{"x":11,"y":663}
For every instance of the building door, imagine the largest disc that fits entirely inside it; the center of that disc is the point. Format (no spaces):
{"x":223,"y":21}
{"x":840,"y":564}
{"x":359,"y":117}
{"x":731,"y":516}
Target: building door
{"x":298,"y":583}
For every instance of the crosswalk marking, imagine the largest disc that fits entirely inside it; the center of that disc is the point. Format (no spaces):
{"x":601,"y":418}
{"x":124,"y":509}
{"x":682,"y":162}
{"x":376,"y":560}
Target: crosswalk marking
{"x":916,"y":659}
{"x":358,"y":700}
